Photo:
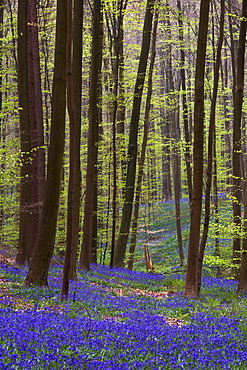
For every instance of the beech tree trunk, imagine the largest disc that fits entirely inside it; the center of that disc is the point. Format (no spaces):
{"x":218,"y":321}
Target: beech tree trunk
{"x":77,"y":102}
{"x":196,"y":205}
{"x":2,"y":130}
{"x":173,"y":116}
{"x":168,"y":123}
{"x":24,"y":242}
{"x":211,"y":146}
{"x":227,"y":118}
{"x":44,"y":245}
{"x":177,"y":184}
{"x":36,"y":122}
{"x":1,"y":59}
{"x":143,"y":150}
{"x":94,"y":100}
{"x":114,"y":22}
{"x":242,"y":285}
{"x":74,"y":88}
{"x":242,"y":282}
{"x":237,"y":145}
{"x":184,"y":102}
{"x":232,"y":49}
{"x":121,"y":106}
{"x":132,"y":147}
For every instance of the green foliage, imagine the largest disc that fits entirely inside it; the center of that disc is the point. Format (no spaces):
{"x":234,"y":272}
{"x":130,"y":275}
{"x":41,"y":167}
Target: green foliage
{"x":156,"y":226}
{"x":218,"y":261}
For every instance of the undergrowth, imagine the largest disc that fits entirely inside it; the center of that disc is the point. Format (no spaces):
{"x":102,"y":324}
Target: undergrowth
{"x":120,"y":319}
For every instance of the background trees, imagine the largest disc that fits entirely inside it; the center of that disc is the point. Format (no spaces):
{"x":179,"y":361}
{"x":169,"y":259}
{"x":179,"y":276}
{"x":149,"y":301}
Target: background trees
{"x":103,"y":97}
{"x":133,"y":135}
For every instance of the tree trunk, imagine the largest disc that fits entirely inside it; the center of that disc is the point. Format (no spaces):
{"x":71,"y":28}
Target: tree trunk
{"x":144,"y":145}
{"x":94,"y":99}
{"x":184,"y":102}
{"x":166,"y":136}
{"x":237,"y":145}
{"x":165,"y":172}
{"x":216,"y":208}
{"x":177,"y":185}
{"x":72,"y":155}
{"x":36,"y":122}
{"x":196,"y":205}
{"x":114,"y":22}
{"x":10,"y":10}
{"x":24,"y":242}
{"x":227,"y":118}
{"x":173,"y":116}
{"x":77,"y":100}
{"x":121,"y":107}
{"x":211,"y":145}
{"x":44,"y":245}
{"x":232,"y":49}
{"x":242,"y":284}
{"x":117,"y":46}
{"x":2,"y":133}
{"x":132,"y":148}
{"x":74,"y":85}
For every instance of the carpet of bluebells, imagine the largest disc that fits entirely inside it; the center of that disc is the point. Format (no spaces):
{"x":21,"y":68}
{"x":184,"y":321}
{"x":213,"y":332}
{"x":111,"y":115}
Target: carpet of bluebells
{"x":120,"y":320}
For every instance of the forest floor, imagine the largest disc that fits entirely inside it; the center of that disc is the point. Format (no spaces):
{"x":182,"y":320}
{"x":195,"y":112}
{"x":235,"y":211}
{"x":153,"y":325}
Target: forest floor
{"x":123,"y":320}
{"x":118,"y":319}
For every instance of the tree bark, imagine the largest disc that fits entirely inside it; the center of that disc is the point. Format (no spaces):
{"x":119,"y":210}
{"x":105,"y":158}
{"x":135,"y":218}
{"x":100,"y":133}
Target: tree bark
{"x":94,"y":100}
{"x":36,"y":122}
{"x":184,"y":102}
{"x":165,"y":133}
{"x":237,"y":145}
{"x":196,"y":205}
{"x":24,"y":242}
{"x":242,"y":284}
{"x":132,"y":147}
{"x":77,"y":102}
{"x":232,"y":49}
{"x":74,"y":85}
{"x":44,"y":245}
{"x":144,"y":145}
{"x":211,"y":145}
{"x":121,"y":107}
{"x":173,"y":116}
{"x":114,"y":21}
{"x":242,"y":281}
{"x":2,"y":133}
